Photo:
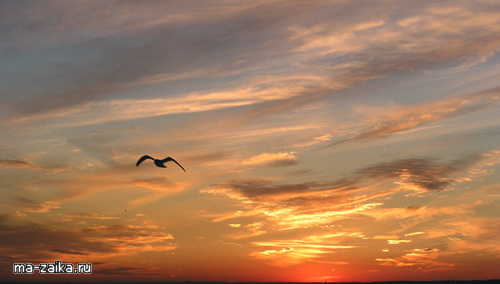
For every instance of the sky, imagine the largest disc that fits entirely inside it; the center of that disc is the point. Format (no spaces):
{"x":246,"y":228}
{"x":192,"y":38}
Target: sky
{"x":322,"y":140}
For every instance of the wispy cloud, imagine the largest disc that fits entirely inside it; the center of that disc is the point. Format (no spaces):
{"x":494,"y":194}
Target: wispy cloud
{"x":97,"y":112}
{"x":88,"y":216}
{"x":290,"y":252}
{"x":281,"y":159}
{"x":103,"y":46}
{"x":404,"y":118}
{"x":367,"y":45}
{"x":159,"y":184}
{"x":17,"y":164}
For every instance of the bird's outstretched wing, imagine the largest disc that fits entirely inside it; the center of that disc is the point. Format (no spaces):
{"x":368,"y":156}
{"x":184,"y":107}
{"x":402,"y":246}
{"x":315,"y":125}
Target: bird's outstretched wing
{"x":142,"y":159}
{"x":170,"y":159}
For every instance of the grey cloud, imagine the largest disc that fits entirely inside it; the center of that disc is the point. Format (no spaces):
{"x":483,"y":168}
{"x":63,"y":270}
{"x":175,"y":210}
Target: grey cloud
{"x":124,"y":42}
{"x":424,"y":173}
{"x":27,"y":241}
{"x":255,"y":188}
{"x":121,"y":43}
{"x":291,"y":194}
{"x":33,"y":205}
{"x":36,"y":241}
{"x":412,"y":207}
{"x":68,"y":251}
{"x":33,"y":243}
{"x":377,"y":56}
{"x":17,"y":164}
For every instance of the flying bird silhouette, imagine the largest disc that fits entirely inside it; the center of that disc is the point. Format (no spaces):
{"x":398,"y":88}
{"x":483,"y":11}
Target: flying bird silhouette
{"x":158,"y":163}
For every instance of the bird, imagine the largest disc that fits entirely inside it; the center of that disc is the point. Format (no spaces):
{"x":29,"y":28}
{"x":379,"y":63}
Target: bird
{"x":158,"y":163}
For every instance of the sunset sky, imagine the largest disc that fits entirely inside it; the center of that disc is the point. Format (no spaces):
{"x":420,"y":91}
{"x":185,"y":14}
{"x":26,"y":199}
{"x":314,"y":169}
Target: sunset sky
{"x":322,"y":140}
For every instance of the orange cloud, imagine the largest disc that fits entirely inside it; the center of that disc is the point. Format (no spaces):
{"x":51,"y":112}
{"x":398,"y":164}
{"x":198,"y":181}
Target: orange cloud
{"x":397,"y":242}
{"x":281,"y":159}
{"x":253,"y":230}
{"x":318,"y":205}
{"x":290,"y":252}
{"x":425,"y":259}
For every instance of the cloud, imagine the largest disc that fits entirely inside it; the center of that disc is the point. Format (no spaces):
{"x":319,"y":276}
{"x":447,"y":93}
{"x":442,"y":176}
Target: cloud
{"x":412,"y":207}
{"x":87,"y":216}
{"x":290,"y":252}
{"x":253,"y":230}
{"x":18,"y":239}
{"x":96,"y":242}
{"x":75,"y":183}
{"x":374,"y":44}
{"x":335,"y":52}
{"x":362,"y":193}
{"x":63,"y":251}
{"x":32,"y":205}
{"x":402,"y":119}
{"x":397,"y":242}
{"x":127,"y":234}
{"x":160,"y":187}
{"x":296,"y":205}
{"x":17,"y":164}
{"x":426,"y":174}
{"x":159,"y":184}
{"x":281,"y":159}
{"x":257,"y":188}
{"x":411,"y":117}
{"x":426,"y":259}
{"x":490,"y":188}
{"x":158,"y":40}
{"x":420,"y":174}
{"x":414,"y":234}
{"x":97,"y":112}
